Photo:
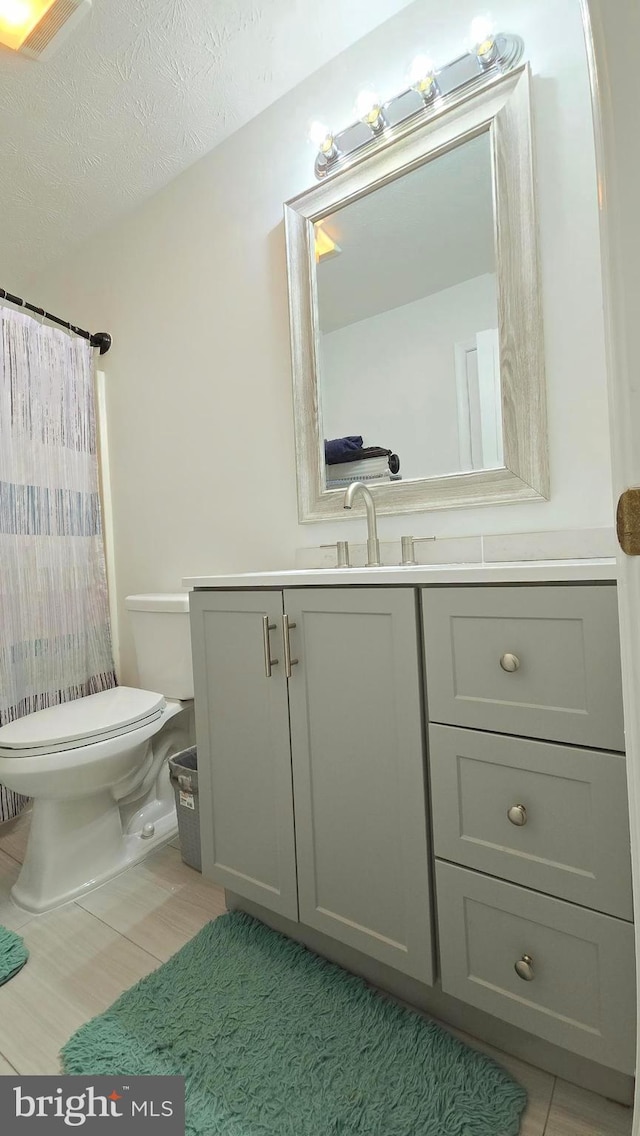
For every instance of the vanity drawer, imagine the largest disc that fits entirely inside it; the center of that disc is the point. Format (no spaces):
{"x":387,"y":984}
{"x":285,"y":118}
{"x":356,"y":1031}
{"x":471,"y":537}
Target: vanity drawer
{"x":543,"y":662}
{"x":560,"y":796}
{"x":578,"y":984}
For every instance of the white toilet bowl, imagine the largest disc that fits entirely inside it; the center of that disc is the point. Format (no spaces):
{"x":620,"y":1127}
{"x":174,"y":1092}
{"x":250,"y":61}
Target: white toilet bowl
{"x":96,"y":770}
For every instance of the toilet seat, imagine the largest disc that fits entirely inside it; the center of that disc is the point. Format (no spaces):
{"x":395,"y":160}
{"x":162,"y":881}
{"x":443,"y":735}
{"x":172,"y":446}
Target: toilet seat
{"x":81,"y":722}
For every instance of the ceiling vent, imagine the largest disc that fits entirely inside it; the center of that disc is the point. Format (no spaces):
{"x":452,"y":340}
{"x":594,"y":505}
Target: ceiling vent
{"x":37,"y":28}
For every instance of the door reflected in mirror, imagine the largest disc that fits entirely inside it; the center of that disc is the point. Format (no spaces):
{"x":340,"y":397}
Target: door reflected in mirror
{"x":408,"y":347}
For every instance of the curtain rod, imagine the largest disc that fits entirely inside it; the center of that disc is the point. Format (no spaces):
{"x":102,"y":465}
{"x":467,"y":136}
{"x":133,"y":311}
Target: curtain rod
{"x":100,"y":339}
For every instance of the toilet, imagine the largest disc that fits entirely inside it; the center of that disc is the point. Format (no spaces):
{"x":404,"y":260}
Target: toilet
{"x":96,"y":768}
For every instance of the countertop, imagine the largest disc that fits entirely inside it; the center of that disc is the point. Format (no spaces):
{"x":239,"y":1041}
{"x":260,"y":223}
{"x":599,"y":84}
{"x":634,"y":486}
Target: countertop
{"x":523,"y":572}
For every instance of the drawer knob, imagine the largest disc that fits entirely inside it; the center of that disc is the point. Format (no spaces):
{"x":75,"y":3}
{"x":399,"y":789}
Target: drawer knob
{"x":524,"y":968}
{"x":509,"y":662}
{"x":517,"y":814}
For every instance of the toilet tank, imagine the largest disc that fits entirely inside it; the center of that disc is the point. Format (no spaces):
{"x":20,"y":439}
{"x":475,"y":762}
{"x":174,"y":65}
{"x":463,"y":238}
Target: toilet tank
{"x":163,"y":642}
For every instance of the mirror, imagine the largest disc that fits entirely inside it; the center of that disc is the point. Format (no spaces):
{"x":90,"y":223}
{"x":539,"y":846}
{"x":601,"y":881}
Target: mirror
{"x":415,"y":317}
{"x":408,"y":321}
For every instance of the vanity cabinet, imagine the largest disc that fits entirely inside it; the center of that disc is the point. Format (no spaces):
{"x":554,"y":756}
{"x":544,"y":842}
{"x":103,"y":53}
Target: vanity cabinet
{"x":311,"y":710}
{"x":336,"y":744}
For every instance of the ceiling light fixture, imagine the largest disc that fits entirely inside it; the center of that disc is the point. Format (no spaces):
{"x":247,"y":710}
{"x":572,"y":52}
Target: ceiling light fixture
{"x":489,"y":55}
{"x":18,"y":18}
{"x":325,"y":245}
{"x":37,"y":27}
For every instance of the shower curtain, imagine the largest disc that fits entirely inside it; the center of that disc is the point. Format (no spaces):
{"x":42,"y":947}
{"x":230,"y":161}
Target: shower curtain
{"x":55,"y":641}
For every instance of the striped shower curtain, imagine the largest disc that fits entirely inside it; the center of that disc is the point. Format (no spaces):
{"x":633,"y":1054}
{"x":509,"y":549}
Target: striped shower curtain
{"x":55,"y":641}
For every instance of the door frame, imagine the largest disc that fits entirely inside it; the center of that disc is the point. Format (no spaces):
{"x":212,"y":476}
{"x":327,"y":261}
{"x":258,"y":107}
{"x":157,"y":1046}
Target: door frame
{"x":478,"y":401}
{"x":612,"y":33}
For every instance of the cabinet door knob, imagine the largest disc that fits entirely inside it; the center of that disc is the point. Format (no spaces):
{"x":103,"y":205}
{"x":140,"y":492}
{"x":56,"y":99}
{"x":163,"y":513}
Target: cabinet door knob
{"x":517,"y":814}
{"x":509,"y":662}
{"x":524,"y":968}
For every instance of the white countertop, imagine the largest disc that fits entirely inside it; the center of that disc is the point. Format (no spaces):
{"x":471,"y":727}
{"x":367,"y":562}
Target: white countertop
{"x":523,"y":572}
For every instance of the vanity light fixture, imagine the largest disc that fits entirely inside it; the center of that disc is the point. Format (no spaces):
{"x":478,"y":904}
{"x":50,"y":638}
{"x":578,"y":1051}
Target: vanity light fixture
{"x":490,"y":54}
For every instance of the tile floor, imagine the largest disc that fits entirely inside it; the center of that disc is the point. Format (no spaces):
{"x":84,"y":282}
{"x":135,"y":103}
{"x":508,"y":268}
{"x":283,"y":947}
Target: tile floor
{"x":85,"y":954}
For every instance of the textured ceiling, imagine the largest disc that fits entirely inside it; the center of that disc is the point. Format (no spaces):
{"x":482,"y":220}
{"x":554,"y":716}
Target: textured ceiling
{"x":141,"y":90}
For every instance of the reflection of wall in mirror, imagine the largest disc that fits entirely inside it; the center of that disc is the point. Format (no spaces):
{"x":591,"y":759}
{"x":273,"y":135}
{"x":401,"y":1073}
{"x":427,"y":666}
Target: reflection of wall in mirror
{"x":392,"y":378}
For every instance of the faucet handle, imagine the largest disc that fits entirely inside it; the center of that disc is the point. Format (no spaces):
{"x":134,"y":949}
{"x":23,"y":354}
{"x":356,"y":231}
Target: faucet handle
{"x":342,"y":548}
{"x":408,"y":550}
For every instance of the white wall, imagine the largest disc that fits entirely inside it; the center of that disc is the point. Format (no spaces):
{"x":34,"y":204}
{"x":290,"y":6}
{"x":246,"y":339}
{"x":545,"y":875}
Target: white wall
{"x":392,"y":379}
{"x":193,"y":288}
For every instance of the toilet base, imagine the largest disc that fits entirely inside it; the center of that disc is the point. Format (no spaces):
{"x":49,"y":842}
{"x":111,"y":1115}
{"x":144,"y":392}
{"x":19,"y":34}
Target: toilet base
{"x":74,"y":846}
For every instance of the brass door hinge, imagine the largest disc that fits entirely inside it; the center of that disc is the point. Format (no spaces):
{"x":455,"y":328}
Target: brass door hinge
{"x":628,"y":522}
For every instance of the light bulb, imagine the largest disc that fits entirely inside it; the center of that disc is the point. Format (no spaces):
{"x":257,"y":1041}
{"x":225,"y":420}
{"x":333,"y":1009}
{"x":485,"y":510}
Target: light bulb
{"x":368,"y":107}
{"x":422,"y":77}
{"x":323,"y":139}
{"x":482,"y":29}
{"x":320,"y":134}
{"x":483,"y":38}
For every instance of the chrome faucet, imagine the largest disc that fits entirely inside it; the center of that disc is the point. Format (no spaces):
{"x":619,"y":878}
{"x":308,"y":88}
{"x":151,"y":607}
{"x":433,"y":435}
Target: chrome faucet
{"x":373,"y":544}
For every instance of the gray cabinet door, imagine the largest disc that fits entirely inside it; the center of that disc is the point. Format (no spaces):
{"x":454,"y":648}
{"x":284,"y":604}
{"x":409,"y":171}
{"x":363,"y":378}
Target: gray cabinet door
{"x":542,"y":662}
{"x":358,"y":768}
{"x":557,"y":796}
{"x":244,"y":755}
{"x":575,"y":979}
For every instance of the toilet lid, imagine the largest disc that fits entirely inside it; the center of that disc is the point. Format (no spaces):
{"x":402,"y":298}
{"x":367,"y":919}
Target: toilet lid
{"x":108,"y":713}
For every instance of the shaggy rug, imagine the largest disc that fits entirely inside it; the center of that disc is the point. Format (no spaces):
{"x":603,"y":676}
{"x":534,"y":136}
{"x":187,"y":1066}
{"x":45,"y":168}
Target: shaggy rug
{"x":13,"y":954}
{"x":275,"y":1041}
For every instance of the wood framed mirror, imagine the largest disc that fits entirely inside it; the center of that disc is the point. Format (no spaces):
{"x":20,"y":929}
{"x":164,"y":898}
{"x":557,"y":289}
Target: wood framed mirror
{"x":416,"y":316}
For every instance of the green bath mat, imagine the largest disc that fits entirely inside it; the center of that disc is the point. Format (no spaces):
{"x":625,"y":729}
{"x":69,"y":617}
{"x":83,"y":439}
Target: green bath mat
{"x":275,"y":1041}
{"x":13,"y":954}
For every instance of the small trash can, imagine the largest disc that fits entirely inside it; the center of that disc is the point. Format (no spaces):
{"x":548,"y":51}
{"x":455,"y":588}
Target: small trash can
{"x":183,"y":770}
